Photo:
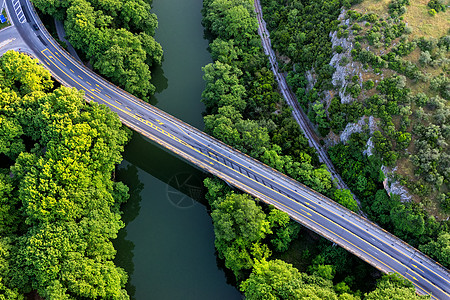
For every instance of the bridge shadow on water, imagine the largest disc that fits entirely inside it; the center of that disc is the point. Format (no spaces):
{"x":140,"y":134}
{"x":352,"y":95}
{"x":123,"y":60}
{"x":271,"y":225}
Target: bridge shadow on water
{"x":180,"y":176}
{"x":184,"y":189}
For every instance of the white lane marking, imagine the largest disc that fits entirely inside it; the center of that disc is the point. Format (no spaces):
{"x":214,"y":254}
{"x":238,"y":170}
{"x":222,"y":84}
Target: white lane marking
{"x":4,"y":43}
{"x":19,"y":12}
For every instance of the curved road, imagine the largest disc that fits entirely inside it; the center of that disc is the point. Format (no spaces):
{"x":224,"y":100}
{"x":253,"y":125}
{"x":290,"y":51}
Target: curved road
{"x":334,"y":222}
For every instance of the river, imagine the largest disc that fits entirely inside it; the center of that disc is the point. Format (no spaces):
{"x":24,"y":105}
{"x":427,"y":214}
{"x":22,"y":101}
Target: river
{"x":167,"y":245}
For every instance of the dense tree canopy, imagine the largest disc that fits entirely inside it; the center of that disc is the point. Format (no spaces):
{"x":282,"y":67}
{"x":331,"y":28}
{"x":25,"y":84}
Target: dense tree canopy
{"x":275,"y":279}
{"x":244,"y":110}
{"x":242,"y":229}
{"x":115,"y":36}
{"x":393,"y":287}
{"x":59,"y":207}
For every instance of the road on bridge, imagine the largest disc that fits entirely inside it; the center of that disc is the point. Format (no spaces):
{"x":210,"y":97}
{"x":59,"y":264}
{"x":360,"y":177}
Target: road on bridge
{"x":334,"y":222}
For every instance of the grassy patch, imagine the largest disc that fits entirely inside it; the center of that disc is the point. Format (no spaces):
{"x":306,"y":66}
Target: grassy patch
{"x":7,"y":23}
{"x":380,"y":7}
{"x":423,"y":24}
{"x":416,"y":16}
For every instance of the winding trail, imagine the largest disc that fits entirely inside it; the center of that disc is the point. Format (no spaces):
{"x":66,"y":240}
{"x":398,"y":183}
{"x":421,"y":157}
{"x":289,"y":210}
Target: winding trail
{"x":297,"y":112}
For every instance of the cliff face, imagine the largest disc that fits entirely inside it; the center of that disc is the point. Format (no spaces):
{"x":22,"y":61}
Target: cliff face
{"x":346,"y":69}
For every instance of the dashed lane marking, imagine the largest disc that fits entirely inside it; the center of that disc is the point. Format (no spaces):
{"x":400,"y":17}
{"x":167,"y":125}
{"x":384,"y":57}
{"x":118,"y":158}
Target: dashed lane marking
{"x":308,"y":203}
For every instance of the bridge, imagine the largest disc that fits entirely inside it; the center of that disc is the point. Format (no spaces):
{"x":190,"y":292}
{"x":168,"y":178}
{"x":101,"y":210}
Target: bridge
{"x":311,"y":209}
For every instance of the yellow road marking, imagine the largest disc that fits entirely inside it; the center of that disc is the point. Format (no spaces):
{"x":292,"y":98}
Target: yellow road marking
{"x":80,"y":77}
{"x":108,"y":96}
{"x":307,"y":203}
{"x":72,"y":70}
{"x":57,"y":58}
{"x":306,"y":212}
{"x":412,"y":276}
{"x":208,"y":161}
{"x":236,"y":171}
{"x":88,"y":82}
{"x":418,"y":268}
{"x":57,"y":66}
{"x":327,"y":229}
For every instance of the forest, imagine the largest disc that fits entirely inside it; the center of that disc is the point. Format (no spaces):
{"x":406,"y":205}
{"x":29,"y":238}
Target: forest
{"x":115,"y":37}
{"x":59,"y":208}
{"x":376,"y":66}
{"x":245,"y":110}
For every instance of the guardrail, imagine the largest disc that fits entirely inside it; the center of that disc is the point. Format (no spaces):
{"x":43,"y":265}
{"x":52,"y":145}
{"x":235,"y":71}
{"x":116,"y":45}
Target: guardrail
{"x":188,"y":128}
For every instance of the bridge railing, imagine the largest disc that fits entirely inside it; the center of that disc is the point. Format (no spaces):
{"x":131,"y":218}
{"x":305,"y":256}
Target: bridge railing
{"x":249,"y":159}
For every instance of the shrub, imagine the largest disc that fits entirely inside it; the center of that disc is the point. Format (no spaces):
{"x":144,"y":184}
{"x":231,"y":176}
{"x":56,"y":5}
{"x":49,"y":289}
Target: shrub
{"x":369,"y":84}
{"x":436,"y":5}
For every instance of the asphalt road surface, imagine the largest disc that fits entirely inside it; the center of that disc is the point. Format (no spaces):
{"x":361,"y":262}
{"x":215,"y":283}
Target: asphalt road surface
{"x":334,"y":222}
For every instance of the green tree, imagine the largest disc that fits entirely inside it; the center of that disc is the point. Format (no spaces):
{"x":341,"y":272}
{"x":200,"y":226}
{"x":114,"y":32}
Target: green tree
{"x":407,"y":221}
{"x":116,"y":36}
{"x":23,"y":71}
{"x":223,"y":87}
{"x":59,"y":208}
{"x":439,"y":249}
{"x":240,"y":226}
{"x":284,"y":229}
{"x":276,"y":279}
{"x":393,"y":287}
{"x":345,"y":198}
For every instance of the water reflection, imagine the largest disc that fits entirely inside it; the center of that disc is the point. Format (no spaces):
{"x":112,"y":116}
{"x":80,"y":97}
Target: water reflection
{"x":128,"y":175}
{"x":182,"y":177}
{"x":167,"y":247}
{"x":159,"y":81}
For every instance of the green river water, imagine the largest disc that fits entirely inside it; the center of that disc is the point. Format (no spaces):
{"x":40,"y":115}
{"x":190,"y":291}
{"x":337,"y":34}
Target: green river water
{"x":167,"y":246}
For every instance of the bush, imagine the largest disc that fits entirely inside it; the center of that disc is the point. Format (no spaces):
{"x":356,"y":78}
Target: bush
{"x":369,"y":84}
{"x":371,"y":18}
{"x":432,"y":12}
{"x":421,"y":99}
{"x":398,"y":7}
{"x":436,"y":6}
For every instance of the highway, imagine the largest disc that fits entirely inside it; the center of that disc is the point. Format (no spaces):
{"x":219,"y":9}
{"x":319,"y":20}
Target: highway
{"x":334,"y":222}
